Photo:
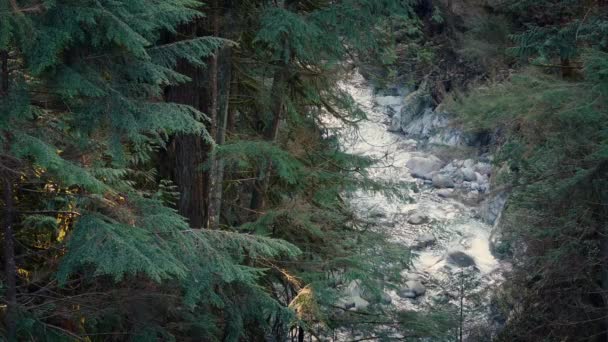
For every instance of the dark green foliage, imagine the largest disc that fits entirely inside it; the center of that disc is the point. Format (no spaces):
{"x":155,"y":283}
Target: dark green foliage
{"x":554,"y":159}
{"x":79,"y":120}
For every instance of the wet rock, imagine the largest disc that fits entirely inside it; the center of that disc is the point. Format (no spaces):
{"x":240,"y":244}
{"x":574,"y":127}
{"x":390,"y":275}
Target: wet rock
{"x":442,"y":181}
{"x":395,"y":123}
{"x":412,"y":289}
{"x":479,"y":178}
{"x":360,"y":303}
{"x":406,"y":293}
{"x":354,"y":288}
{"x":377,"y":214}
{"x":347,"y":303}
{"x":421,"y":167}
{"x":460,"y":259}
{"x":418,"y":218}
{"x":492,"y":207}
{"x":448,"y":136}
{"x":442,"y":298}
{"x":450,"y":168}
{"x":424,"y":241}
{"x":385,"y":298}
{"x":468,"y":174}
{"x":415,"y":104}
{"x":445,"y":193}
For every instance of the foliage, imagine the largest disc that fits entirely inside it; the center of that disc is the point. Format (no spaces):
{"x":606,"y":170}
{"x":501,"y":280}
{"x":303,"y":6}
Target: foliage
{"x":555,"y":161}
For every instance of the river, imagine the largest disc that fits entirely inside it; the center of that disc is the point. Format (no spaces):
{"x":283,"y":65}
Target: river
{"x":441,"y":223}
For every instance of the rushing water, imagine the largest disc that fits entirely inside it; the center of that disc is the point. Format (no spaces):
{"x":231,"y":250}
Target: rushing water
{"x":450,"y":225}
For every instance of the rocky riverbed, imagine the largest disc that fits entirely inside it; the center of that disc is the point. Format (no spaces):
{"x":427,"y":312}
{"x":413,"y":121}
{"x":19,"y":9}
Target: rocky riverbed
{"x":448,"y":221}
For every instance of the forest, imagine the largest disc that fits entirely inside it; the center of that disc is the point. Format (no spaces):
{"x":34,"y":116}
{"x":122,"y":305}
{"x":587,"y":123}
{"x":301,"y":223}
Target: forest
{"x":304,"y":170}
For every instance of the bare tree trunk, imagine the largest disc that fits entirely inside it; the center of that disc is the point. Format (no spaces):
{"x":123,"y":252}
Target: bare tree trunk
{"x":218,"y":163}
{"x":300,"y":334}
{"x":213,"y":210}
{"x":279,"y":85}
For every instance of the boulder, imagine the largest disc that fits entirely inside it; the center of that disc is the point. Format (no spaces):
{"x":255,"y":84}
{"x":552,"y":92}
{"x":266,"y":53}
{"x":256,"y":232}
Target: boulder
{"x":445,"y":193}
{"x":376,"y":214}
{"x":360,"y":303}
{"x":492,"y":207}
{"x":385,"y":298}
{"x":354,"y":289}
{"x":424,"y":241}
{"x":418,"y":218}
{"x":442,"y":181}
{"x":406,"y":293}
{"x":479,"y":178}
{"x":412,"y":289}
{"x":468,"y":174}
{"x":421,"y":167}
{"x":460,"y":259}
{"x":415,"y":104}
{"x":395,"y":123}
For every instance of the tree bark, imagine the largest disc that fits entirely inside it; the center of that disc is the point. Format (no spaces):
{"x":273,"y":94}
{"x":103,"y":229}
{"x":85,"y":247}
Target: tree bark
{"x":215,"y":207}
{"x":187,"y":153}
{"x":300,"y":334}
{"x":213,"y":211}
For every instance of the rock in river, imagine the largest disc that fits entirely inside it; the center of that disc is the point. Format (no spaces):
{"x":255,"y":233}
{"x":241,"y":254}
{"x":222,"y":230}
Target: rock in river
{"x":421,"y":167}
{"x":424,"y":241}
{"x":418,"y":218}
{"x":445,"y":193}
{"x":442,"y":181}
{"x":460,"y":259}
{"x":468,"y":174}
{"x":412,"y":289}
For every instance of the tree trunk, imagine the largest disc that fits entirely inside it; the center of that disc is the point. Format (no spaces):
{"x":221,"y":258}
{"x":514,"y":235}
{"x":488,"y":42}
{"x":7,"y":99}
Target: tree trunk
{"x":279,"y":85}
{"x":215,"y":207}
{"x":213,"y":210}
{"x":10,"y":267}
{"x":188,"y":152}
